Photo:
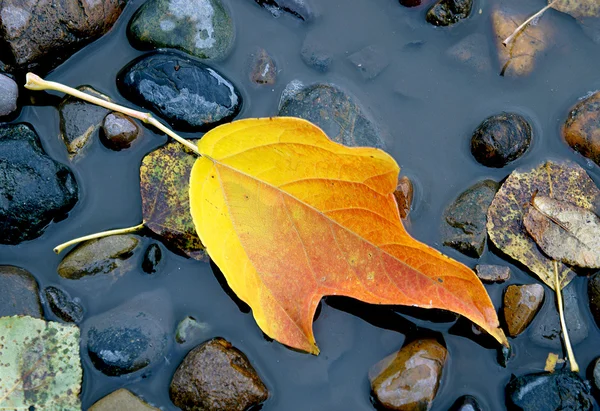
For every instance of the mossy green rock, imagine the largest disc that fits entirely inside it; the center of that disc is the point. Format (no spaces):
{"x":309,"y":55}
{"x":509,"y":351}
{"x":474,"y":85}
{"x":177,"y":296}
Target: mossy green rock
{"x":202,"y":28}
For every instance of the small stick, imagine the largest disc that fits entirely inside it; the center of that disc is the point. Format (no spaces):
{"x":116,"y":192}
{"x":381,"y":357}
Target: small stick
{"x":525,"y":23}
{"x":35,"y":82}
{"x":563,"y":324}
{"x":59,"y":248}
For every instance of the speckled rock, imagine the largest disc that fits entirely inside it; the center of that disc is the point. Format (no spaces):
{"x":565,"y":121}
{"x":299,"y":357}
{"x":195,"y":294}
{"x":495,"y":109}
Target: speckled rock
{"x":594,"y":296}
{"x":202,"y":28}
{"x":464,"y":226}
{"x":152,"y":258}
{"x":9,"y":93}
{"x":581,"y":130}
{"x":63,"y":306}
{"x":34,"y":189}
{"x":129,"y":337}
{"x":20,"y":293}
{"x":549,"y":391}
{"x":186,"y":93}
{"x":297,"y":8}
{"x":332,"y":109}
{"x":121,"y":400}
{"x":404,"y":195}
{"x":370,"y":61}
{"x":263,"y":70}
{"x":492,"y":273}
{"x":521,"y":304}
{"x":215,"y":376}
{"x":466,"y":403}
{"x":107,"y":255}
{"x":449,"y":12}
{"x":41,"y":34}
{"x":408,"y":380}
{"x":119,"y":131}
{"x":500,"y":139}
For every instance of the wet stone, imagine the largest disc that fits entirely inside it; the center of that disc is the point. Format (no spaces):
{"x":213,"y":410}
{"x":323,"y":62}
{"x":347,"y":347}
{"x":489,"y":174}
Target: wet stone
{"x":119,"y":131}
{"x":107,"y":255}
{"x":202,"y":28}
{"x":119,"y":400}
{"x":215,"y":376}
{"x":263,"y":70}
{"x":521,"y":304}
{"x":549,"y":391}
{"x":449,"y":12}
{"x":492,"y":273}
{"x":63,"y":306}
{"x":188,"y":94}
{"x":370,"y":61}
{"x":464,"y":227}
{"x":80,"y":121}
{"x":297,"y":8}
{"x":334,"y":111}
{"x":581,"y":130}
{"x":9,"y":93}
{"x":594,"y":296}
{"x":409,"y":379}
{"x":546,"y":331}
{"x":596,"y":374}
{"x":152,"y":258}
{"x":34,"y":189}
{"x":315,"y":55}
{"x":404,"y":195}
{"x":20,"y":293}
{"x":41,"y":34}
{"x":472,"y":51}
{"x":466,"y":403}
{"x":129,"y":337}
{"x":500,"y":139}
{"x":410,"y":3}
{"x":190,"y":329}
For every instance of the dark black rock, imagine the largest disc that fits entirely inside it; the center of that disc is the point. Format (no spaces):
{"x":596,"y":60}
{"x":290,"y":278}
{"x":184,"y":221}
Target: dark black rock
{"x":118,"y":131}
{"x":63,"y":306}
{"x":335,"y":111}
{"x":34,"y":189}
{"x":410,"y":3}
{"x":297,"y":8}
{"x":594,"y":296}
{"x":129,"y":337}
{"x":19,"y":293}
{"x":500,"y":139}
{"x":504,"y":355}
{"x":449,"y":12}
{"x":465,"y":219}
{"x":152,"y":258}
{"x":466,"y":403}
{"x":188,"y":94}
{"x":549,"y":392}
{"x":9,"y":93}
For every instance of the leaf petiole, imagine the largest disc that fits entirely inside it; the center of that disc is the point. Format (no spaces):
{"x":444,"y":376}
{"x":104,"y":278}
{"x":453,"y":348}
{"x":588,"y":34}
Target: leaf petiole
{"x":59,"y":248}
{"x":35,"y":82}
{"x":525,"y":24}
{"x":563,"y":324}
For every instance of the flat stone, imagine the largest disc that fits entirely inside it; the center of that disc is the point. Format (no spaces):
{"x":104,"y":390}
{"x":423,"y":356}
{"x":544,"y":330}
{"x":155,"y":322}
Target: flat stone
{"x":581,"y":130}
{"x":549,"y":391}
{"x":334,"y":111}
{"x":521,"y":304}
{"x":80,"y":121}
{"x":189,"y":95}
{"x":594,"y":296}
{"x":492,"y":273}
{"x":263,"y":70}
{"x":119,"y":131}
{"x":34,"y":189}
{"x":449,"y":12}
{"x":41,"y":34}
{"x":63,"y":306}
{"x":20,"y":293}
{"x":202,"y":28}
{"x":370,"y":61}
{"x":9,"y":94}
{"x":409,"y":379}
{"x":215,"y":376}
{"x":464,"y":227}
{"x":121,"y":400}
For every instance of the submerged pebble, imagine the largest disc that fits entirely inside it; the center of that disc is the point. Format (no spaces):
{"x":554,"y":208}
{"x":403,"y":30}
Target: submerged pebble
{"x":581,"y":130}
{"x":190,"y":329}
{"x":297,"y":8}
{"x":63,"y":306}
{"x":152,"y":258}
{"x":404,"y":195}
{"x":466,"y":403}
{"x":263,"y":70}
{"x":119,"y":131}
{"x":20,"y":293}
{"x":521,"y":304}
{"x":492,"y":273}
{"x":9,"y":94}
{"x":449,"y":12}
{"x":315,"y":54}
{"x":370,"y":61}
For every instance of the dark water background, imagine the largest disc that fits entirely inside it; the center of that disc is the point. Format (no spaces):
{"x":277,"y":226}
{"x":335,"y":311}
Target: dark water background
{"x":427,"y":106}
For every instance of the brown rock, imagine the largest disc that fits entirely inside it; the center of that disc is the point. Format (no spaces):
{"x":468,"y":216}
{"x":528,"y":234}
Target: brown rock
{"x":263,"y":69}
{"x":409,"y":379}
{"x":215,"y":376}
{"x":119,"y":400}
{"x":404,"y":196}
{"x":41,"y":33}
{"x":118,"y":131}
{"x":521,"y":304}
{"x":582,"y":129}
{"x":19,"y":293}
{"x":492,"y":273}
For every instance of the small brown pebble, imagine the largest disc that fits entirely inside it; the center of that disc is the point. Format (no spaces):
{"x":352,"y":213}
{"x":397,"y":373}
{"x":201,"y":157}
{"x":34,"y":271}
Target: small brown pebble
{"x":582,"y":128}
{"x":119,"y":131}
{"x":492,"y":273}
{"x":521,"y":304}
{"x":404,"y":196}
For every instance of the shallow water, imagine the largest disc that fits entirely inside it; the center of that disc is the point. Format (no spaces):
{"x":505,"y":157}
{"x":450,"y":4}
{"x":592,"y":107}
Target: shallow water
{"x":426,"y":105}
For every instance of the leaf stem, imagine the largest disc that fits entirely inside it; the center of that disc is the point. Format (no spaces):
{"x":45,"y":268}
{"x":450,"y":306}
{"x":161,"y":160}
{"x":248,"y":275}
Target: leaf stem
{"x":35,"y":82}
{"x":563,"y":324}
{"x":525,"y":24}
{"x":59,"y":248}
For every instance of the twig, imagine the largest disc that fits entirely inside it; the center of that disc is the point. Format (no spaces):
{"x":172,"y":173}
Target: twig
{"x":525,"y":23}
{"x":59,"y":248}
{"x":563,"y":324}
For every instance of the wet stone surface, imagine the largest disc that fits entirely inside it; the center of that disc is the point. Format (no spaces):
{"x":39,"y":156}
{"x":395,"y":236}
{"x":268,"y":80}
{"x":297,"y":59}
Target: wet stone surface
{"x":188,"y":94}
{"x":521,"y":304}
{"x":596,"y":374}
{"x":63,"y":306}
{"x":263,"y":70}
{"x":465,"y":219}
{"x":121,"y":399}
{"x":449,"y":12}
{"x":9,"y":93}
{"x":297,"y":8}
{"x":315,"y":55}
{"x":466,"y":403}
{"x":500,"y":139}
{"x":34,"y":189}
{"x":215,"y":376}
{"x":202,"y":28}
{"x":119,"y":131}
{"x":581,"y":130}
{"x":594,"y":296}
{"x":492,"y":273}
{"x":20,"y":293}
{"x":409,"y":379}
